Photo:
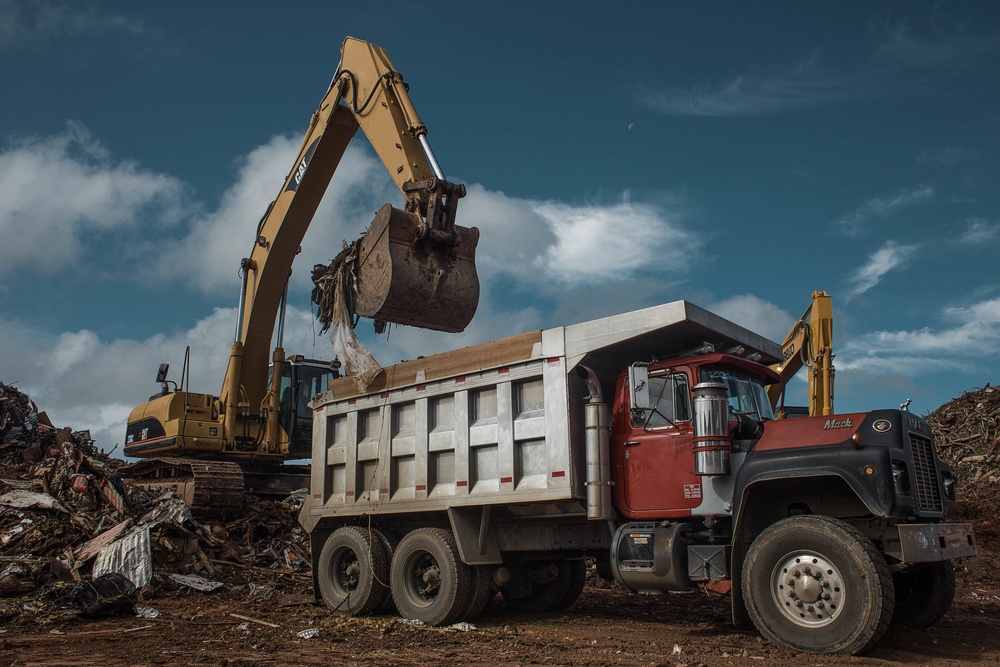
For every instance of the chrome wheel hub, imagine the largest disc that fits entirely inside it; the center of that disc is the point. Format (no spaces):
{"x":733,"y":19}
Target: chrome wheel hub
{"x":808,"y":589}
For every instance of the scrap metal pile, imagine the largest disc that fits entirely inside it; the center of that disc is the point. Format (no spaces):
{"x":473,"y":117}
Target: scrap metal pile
{"x":68,"y":518}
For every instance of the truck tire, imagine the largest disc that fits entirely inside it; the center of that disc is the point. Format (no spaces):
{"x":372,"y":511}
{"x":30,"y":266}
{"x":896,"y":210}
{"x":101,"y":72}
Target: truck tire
{"x":818,"y":585}
{"x":389,"y":542}
{"x":429,"y":581}
{"x":577,"y":580}
{"x":924,"y":594}
{"x":482,"y":591}
{"x":351,"y":572}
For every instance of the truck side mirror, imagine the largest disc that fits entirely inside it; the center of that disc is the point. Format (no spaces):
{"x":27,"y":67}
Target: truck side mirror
{"x":638,"y":386}
{"x":161,"y":375}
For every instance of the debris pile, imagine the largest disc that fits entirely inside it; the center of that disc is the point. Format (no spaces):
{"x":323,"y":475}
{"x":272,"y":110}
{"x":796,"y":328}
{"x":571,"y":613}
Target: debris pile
{"x":967,"y":435}
{"x":68,"y":519}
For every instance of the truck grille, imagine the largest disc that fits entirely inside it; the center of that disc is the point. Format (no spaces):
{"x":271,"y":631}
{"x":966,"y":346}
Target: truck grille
{"x":925,"y":483}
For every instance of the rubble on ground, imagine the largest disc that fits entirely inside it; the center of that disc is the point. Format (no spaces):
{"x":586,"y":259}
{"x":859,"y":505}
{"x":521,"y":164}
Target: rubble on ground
{"x":67,"y":518}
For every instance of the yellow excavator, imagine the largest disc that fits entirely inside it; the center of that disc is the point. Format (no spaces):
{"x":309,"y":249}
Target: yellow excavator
{"x":809,"y":344}
{"x":414,"y":267}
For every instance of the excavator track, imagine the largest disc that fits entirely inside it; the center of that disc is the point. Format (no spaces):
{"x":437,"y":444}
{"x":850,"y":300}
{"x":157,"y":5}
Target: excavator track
{"x":212,"y":489}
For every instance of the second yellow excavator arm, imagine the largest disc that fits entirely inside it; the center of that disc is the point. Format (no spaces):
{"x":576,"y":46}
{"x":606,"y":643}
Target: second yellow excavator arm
{"x":809,"y":344}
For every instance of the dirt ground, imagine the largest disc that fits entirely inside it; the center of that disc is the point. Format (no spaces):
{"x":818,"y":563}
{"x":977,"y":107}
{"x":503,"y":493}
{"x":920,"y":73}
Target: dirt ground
{"x":256,"y":620}
{"x":259,"y":617}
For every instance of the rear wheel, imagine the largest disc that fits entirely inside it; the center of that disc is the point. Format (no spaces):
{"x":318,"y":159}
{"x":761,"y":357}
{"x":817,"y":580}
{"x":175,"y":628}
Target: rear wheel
{"x":577,"y":580}
{"x":429,"y":581}
{"x":924,"y":594}
{"x":389,"y":542}
{"x":351,"y":570}
{"x":817,"y":584}
{"x":481,"y":593}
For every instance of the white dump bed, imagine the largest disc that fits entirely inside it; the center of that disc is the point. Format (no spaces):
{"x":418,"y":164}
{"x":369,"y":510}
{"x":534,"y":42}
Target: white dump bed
{"x":497,"y":423}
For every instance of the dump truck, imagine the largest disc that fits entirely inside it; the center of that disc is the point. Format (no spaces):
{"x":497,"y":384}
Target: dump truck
{"x":642,"y":445}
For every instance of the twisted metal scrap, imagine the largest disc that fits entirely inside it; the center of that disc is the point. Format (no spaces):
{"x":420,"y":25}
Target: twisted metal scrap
{"x":325,"y":278}
{"x":17,"y":411}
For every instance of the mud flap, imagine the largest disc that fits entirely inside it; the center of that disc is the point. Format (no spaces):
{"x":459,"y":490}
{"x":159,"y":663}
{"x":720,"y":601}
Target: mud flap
{"x":408,"y":281}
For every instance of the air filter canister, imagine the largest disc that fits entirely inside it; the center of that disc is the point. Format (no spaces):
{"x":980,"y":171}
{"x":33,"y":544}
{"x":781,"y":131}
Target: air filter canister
{"x":712,"y":444}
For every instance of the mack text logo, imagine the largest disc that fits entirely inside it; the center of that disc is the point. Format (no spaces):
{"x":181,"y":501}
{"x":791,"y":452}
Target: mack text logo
{"x":833,"y":423}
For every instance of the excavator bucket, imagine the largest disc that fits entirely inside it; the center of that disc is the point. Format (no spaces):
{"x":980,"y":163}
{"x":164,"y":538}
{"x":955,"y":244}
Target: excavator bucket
{"x":417,"y":282}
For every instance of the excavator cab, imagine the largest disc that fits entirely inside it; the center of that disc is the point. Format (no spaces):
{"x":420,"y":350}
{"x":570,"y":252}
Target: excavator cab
{"x":301,"y":380}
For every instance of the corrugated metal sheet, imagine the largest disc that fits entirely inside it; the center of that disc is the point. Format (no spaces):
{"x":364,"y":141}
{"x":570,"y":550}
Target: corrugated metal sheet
{"x":130,"y":556}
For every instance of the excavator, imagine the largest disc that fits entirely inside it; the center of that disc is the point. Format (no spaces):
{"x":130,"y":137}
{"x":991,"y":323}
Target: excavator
{"x":809,"y":344}
{"x":413,"y":267}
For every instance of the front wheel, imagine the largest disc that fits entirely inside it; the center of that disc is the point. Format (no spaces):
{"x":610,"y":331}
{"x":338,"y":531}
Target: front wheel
{"x":924,"y":594}
{"x":817,"y":584}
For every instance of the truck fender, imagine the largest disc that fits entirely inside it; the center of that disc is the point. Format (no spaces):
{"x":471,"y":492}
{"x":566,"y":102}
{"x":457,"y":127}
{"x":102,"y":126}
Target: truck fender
{"x":477,"y":545}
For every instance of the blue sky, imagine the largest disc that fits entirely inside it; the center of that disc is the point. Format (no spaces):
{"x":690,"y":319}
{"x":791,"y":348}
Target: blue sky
{"x":737,"y":155}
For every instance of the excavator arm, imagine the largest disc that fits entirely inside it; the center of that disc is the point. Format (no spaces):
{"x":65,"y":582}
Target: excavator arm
{"x":415,"y":267}
{"x":809,"y":344}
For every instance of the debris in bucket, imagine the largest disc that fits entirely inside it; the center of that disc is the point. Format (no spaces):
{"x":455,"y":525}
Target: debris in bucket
{"x":334,"y":296}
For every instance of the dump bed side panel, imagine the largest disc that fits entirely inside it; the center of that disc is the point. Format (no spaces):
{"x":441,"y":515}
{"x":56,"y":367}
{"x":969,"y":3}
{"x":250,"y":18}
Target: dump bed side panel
{"x":498,"y":436}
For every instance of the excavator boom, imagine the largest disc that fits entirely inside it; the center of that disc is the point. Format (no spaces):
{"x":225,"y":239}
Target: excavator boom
{"x":416,"y":267}
{"x":809,"y":344}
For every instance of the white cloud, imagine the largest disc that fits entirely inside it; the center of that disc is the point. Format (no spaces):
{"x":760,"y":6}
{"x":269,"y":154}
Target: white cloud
{"x":29,"y":23}
{"x":597,"y":243}
{"x":536,"y":242}
{"x":755,"y":314}
{"x":941,"y":47}
{"x":801,"y":85}
{"x":208,"y":257}
{"x":887,"y":258}
{"x":881,"y":207}
{"x":979,"y":232}
{"x":59,"y":193}
{"x":945,"y":157}
{"x":513,"y":234}
{"x":962,"y":347}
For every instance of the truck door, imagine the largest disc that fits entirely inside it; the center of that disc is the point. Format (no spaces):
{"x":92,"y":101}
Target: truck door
{"x":658,"y":459}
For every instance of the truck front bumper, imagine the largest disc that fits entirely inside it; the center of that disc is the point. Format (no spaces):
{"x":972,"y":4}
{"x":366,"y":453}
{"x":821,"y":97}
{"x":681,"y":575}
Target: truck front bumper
{"x":933,"y":542}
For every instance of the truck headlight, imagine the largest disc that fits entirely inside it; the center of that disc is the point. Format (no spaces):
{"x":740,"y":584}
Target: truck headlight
{"x":949,"y":487}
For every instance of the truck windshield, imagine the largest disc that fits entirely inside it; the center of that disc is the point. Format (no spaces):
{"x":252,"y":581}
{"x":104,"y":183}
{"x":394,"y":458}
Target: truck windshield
{"x":747,"y":394}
